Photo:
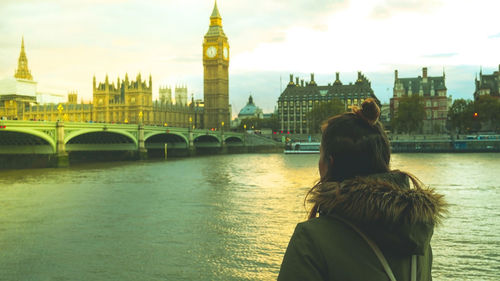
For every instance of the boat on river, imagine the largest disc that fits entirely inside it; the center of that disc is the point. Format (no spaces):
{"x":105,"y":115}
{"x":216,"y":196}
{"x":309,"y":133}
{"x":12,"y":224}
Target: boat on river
{"x":302,"y":148}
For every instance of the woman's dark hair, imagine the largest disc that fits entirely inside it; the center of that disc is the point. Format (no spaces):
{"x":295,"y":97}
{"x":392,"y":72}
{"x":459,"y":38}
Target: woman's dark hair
{"x":357,"y":143}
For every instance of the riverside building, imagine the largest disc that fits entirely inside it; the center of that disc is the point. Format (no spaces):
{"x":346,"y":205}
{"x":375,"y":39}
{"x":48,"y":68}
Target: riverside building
{"x":122,"y":101}
{"x":216,"y":74}
{"x":129,"y":101}
{"x":299,"y":98}
{"x":487,"y":84}
{"x":433,"y":92}
{"x":19,"y":91}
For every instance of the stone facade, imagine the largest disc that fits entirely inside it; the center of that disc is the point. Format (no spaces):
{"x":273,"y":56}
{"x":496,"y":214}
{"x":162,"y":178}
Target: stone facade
{"x":215,"y":74}
{"x":123,"y":101}
{"x":434,"y":95}
{"x":299,"y":98}
{"x":487,"y":84}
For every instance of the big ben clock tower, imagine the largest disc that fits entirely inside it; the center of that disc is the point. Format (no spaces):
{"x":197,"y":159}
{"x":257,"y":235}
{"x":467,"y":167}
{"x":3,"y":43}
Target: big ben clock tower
{"x":215,"y":74}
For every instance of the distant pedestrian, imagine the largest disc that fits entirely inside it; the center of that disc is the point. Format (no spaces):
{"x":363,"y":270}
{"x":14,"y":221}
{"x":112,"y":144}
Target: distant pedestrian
{"x":366,"y":221}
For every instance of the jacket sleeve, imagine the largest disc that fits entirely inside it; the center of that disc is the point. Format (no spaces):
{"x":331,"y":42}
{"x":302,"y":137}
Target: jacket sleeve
{"x":302,"y":260}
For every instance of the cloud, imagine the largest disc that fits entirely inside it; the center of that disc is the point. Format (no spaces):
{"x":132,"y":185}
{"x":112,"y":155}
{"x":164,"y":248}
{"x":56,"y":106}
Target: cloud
{"x":391,"y":7}
{"x":69,"y":41}
{"x":494,"y":36}
{"x":441,"y":55}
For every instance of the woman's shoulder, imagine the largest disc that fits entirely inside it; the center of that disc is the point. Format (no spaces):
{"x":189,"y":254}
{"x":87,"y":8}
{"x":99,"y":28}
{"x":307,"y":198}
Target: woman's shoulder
{"x":323,"y":228}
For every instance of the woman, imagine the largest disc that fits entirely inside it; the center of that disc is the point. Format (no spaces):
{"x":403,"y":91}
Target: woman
{"x":366,"y":222}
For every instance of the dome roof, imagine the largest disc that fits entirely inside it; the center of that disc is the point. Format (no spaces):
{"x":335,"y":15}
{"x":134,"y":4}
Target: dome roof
{"x":250,"y":109}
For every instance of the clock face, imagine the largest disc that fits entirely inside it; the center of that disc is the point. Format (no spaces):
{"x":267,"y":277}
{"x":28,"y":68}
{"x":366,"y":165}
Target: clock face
{"x":225,"y":52}
{"x":211,"y":51}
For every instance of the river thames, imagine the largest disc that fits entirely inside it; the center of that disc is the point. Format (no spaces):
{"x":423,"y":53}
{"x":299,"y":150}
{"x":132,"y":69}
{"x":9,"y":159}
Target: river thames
{"x":225,"y":217}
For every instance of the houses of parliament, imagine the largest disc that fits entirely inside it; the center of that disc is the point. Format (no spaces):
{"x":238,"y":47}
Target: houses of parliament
{"x":130,"y":100}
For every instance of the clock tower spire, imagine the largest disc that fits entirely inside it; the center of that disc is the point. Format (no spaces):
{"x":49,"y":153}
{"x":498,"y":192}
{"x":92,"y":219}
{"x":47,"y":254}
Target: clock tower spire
{"x":215,"y":74}
{"x":22,"y":71}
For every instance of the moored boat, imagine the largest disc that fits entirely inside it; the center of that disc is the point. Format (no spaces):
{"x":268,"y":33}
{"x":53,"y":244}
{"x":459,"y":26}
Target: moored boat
{"x":302,"y":148}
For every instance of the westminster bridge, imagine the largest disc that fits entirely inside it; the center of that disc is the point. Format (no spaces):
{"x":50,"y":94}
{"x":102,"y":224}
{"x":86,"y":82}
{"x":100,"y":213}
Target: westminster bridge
{"x":59,"y":139}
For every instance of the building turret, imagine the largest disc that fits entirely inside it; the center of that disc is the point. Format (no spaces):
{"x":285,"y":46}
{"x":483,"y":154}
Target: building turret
{"x":291,"y":80}
{"x":22,"y":71}
{"x":106,"y":82}
{"x":93,"y":82}
{"x":360,"y":78}
{"x":215,"y":18}
{"x":138,"y":80}
{"x":72,"y":97}
{"x":337,"y":79}
{"x":165,"y":95}
{"x":150,"y":81}
{"x":181,"y":95}
{"x":312,"y":83}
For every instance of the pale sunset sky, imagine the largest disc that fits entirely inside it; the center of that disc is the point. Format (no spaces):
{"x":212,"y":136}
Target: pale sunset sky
{"x":67,"y":42}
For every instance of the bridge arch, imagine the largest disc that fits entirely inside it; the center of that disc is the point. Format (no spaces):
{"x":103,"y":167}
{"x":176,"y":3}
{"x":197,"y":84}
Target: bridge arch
{"x":38,"y":134}
{"x":174,"y":140}
{"x":234,"y":139}
{"x":180,"y":136}
{"x":206,"y":139}
{"x":75,"y":134}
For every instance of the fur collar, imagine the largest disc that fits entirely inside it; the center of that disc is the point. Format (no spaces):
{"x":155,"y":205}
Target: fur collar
{"x":382,"y":198}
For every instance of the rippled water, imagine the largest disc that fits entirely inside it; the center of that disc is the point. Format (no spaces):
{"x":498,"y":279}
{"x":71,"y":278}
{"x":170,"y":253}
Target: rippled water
{"x":214,"y":218}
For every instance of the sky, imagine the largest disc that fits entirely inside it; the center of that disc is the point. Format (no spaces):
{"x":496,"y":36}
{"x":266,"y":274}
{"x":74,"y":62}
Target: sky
{"x":69,"y":41}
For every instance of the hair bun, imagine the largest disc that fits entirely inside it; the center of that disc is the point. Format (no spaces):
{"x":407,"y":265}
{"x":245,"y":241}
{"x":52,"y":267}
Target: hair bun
{"x":369,"y":111}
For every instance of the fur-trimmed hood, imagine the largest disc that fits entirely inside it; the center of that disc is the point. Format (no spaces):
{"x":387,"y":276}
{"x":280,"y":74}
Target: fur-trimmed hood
{"x":397,"y":217}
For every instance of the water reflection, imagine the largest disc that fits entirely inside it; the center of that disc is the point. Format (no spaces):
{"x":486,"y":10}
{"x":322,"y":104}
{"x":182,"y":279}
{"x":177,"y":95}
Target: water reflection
{"x":214,"y":218}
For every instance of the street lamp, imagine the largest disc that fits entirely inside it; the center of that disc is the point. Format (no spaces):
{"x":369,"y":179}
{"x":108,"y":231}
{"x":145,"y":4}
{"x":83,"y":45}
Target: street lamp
{"x":60,"y":108}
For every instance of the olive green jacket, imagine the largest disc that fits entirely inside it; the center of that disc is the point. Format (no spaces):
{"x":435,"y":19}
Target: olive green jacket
{"x":398,"y":219}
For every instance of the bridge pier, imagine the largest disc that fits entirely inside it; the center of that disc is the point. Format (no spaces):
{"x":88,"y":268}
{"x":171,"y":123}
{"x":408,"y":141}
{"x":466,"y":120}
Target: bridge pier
{"x":142,"y":152}
{"x":61,"y":158}
{"x":191,"y":148}
{"x":223,"y":146}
